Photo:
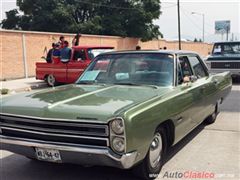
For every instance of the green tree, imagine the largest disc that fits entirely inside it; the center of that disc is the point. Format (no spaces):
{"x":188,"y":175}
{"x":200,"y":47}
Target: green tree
{"x":133,"y":18}
{"x":195,"y":40}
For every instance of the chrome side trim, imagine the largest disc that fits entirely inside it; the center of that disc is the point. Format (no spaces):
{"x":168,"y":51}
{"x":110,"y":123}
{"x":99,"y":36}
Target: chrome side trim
{"x":53,"y":119}
{"x":59,"y":135}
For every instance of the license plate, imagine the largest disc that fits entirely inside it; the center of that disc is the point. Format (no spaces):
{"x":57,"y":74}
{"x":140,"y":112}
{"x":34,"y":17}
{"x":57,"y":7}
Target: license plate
{"x":48,"y":155}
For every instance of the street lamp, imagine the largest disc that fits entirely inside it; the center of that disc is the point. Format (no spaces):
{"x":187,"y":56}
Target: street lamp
{"x":203,"y":16}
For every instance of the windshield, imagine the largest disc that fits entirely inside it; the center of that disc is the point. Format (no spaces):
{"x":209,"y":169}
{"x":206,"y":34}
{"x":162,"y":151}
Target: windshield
{"x":227,"y":48}
{"x":92,"y":53}
{"x":131,"y":69}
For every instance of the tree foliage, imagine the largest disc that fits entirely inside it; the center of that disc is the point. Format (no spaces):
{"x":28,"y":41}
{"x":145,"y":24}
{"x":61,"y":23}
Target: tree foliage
{"x":133,"y":18}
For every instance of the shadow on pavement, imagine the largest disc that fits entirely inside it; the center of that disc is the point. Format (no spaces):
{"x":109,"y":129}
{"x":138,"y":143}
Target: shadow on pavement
{"x":177,"y":147}
{"x":20,"y":168}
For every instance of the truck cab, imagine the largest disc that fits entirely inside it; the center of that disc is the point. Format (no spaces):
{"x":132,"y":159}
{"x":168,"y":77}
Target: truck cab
{"x":55,"y":73}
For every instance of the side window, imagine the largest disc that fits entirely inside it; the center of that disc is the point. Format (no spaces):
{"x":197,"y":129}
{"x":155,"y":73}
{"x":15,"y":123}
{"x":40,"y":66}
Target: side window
{"x":184,"y":69}
{"x":197,"y":67}
{"x":79,"y":55}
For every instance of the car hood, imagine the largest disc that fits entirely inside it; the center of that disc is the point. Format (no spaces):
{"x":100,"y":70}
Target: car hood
{"x":224,"y":57}
{"x":79,"y":101}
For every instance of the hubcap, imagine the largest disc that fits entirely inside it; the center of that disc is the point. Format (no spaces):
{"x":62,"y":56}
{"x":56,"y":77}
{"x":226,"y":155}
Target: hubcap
{"x":155,"y":150}
{"x":51,"y":80}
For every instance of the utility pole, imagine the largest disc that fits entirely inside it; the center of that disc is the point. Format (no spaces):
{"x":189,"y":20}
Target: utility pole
{"x":179,"y":27}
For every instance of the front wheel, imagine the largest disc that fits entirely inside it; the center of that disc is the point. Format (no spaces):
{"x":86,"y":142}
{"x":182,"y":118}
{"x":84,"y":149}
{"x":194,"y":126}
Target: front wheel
{"x":151,"y":166}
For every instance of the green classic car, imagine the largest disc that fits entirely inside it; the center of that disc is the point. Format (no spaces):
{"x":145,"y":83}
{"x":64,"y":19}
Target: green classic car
{"x":125,"y":111}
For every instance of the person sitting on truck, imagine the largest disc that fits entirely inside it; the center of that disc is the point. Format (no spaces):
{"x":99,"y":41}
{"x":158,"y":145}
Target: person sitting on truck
{"x":50,"y":52}
{"x":61,"y":41}
{"x":56,"y":54}
{"x":65,"y":53}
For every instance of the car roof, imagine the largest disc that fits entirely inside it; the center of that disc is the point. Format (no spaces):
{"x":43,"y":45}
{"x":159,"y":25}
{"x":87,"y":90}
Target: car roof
{"x":173,"y":52}
{"x":93,"y":47}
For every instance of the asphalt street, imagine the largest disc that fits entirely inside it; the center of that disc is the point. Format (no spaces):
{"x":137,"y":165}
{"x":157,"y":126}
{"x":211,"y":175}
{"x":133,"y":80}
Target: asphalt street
{"x":211,"y":149}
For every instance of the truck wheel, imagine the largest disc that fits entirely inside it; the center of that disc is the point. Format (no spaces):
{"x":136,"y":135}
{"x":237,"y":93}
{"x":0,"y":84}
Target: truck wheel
{"x":212,"y":118}
{"x":51,"y":80}
{"x":151,"y":166}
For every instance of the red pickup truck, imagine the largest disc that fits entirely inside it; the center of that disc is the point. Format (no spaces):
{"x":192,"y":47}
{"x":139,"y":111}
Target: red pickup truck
{"x":55,"y":73}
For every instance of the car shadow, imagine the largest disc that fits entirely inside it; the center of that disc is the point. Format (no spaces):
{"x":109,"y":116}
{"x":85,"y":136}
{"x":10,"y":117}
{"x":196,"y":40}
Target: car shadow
{"x":236,"y":80}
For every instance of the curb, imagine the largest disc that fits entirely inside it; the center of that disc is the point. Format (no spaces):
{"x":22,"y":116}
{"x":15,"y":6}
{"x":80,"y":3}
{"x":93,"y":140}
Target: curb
{"x":29,"y":88}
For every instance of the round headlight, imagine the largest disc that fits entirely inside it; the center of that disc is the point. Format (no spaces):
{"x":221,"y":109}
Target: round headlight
{"x":117,"y":126}
{"x":118,"y":144}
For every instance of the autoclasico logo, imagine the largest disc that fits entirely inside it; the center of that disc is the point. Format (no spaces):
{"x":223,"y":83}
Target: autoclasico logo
{"x":189,"y":175}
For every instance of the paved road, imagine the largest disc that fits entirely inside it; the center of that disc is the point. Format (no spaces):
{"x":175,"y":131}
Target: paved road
{"x":214,"y":149}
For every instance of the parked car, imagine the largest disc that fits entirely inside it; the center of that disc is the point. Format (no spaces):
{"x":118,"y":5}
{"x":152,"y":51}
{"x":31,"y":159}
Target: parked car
{"x":225,"y":57}
{"x":125,"y":111}
{"x":55,"y":73}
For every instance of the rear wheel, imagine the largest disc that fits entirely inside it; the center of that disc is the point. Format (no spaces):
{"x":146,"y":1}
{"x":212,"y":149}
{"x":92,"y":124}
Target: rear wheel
{"x":51,"y":80}
{"x":151,"y":166}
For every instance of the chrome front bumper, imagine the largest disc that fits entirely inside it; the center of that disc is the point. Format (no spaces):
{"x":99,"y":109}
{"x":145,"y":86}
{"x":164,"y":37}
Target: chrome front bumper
{"x":84,"y":155}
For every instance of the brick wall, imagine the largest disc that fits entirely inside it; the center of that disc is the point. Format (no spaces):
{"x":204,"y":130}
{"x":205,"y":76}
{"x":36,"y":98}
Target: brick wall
{"x":12,"y":54}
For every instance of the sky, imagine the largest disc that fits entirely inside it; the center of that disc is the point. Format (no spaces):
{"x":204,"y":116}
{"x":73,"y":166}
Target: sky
{"x":191,"y":25}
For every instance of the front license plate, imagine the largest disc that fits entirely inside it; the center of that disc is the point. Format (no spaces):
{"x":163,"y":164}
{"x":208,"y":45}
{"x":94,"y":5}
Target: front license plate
{"x":48,"y":155}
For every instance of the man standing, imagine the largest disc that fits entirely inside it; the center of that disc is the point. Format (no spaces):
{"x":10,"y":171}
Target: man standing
{"x":65,"y":53}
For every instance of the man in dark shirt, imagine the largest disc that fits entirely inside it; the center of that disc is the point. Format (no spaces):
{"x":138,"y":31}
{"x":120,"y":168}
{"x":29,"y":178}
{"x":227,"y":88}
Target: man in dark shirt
{"x":65,"y":53}
{"x":49,"y":54}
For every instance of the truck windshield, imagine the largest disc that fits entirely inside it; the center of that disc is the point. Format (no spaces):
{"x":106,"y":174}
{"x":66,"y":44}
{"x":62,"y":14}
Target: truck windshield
{"x":92,"y":53}
{"x":131,"y":69}
{"x":227,"y":49}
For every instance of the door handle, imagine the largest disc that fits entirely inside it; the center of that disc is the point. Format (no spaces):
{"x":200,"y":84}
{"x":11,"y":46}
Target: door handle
{"x":216,"y":81}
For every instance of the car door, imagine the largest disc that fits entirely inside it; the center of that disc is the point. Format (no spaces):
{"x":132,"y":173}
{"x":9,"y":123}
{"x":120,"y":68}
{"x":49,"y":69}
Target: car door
{"x":204,"y":87}
{"x":77,"y":64}
{"x":186,"y":100}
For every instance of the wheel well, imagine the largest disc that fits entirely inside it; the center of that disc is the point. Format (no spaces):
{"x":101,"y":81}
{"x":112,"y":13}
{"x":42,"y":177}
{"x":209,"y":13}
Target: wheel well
{"x":170,"y":130}
{"x":45,"y":77}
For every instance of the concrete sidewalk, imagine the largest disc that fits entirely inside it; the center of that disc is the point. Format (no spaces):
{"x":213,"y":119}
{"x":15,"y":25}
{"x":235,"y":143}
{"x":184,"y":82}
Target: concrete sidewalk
{"x":22,"y":84}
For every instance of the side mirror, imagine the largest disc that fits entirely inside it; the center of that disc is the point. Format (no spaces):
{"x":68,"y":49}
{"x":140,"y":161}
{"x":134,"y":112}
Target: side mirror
{"x":193,"y":78}
{"x":80,"y":60}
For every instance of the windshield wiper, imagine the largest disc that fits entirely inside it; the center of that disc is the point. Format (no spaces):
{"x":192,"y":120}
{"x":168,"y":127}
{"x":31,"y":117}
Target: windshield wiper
{"x":91,"y":83}
{"x":86,"y":82}
{"x":134,"y":84}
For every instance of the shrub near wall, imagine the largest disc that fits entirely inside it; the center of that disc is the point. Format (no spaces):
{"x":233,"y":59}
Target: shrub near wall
{"x":13,"y":56}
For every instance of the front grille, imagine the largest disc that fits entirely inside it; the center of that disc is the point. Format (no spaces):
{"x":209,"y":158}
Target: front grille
{"x":225,"y":65}
{"x":54,"y":131}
